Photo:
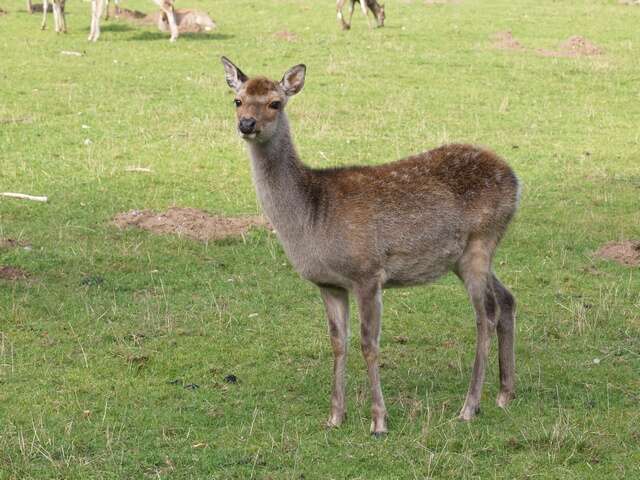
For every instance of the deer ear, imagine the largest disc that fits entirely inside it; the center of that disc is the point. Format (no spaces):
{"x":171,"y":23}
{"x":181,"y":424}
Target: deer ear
{"x":235,"y":77}
{"x":293,"y":80}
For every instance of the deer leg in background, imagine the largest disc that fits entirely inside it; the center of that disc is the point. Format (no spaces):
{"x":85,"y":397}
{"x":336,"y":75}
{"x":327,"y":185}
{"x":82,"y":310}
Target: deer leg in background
{"x":96,"y":13}
{"x":369,"y":299}
{"x":45,"y":7}
{"x":363,"y":6}
{"x":167,"y":7}
{"x":58,"y":16}
{"x":336,"y":303}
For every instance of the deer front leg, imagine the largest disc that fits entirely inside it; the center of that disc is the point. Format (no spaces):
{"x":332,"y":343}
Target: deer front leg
{"x":29,"y":6}
{"x":45,"y":7}
{"x":336,"y":303}
{"x":167,"y":7}
{"x":352,"y":6}
{"x":96,"y":12}
{"x":339,"y":7}
{"x":369,"y":299}
{"x":363,"y":6}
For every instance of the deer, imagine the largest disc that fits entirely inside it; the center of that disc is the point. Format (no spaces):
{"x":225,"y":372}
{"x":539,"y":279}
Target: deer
{"x":373,"y":5}
{"x":360,"y":229}
{"x":97,"y":8}
{"x":166,"y":6}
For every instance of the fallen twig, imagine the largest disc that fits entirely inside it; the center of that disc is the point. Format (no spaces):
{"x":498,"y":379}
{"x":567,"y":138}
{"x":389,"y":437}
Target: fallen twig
{"x":24,"y":196}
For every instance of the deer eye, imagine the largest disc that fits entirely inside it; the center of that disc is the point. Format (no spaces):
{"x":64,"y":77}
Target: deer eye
{"x":275,"y":105}
{"x":238,"y":102}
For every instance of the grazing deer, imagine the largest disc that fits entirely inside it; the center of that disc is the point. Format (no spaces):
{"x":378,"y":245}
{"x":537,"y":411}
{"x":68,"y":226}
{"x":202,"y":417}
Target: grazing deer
{"x":364,"y":228}
{"x":97,"y":7}
{"x":373,"y":5}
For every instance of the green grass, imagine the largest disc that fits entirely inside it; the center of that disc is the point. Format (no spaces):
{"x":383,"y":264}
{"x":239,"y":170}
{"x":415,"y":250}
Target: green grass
{"x":88,"y":372}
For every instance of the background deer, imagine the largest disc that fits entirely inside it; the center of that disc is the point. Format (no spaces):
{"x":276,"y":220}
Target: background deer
{"x":362,"y":229}
{"x":166,"y":6}
{"x":373,"y":5}
{"x":97,"y":9}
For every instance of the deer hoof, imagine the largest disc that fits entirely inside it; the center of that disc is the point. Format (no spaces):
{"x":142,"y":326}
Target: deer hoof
{"x":468,"y":413}
{"x":504,"y":398}
{"x":335,"y":420}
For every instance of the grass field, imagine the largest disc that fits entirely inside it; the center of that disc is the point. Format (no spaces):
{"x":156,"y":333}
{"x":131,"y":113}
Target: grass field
{"x":98,"y":344}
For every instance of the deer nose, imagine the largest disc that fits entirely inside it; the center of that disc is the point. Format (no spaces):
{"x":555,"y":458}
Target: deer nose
{"x":247,"y":125}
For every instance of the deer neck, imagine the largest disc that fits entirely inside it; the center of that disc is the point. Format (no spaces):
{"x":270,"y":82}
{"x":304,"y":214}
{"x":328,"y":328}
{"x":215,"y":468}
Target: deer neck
{"x":280,"y":180}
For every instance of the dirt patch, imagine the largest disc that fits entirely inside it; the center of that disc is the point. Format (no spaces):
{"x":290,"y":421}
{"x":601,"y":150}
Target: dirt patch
{"x":8,"y":243}
{"x":506,"y":41}
{"x":3,"y":12}
{"x":575,"y":46}
{"x":629,"y":2}
{"x":10,"y":273}
{"x":189,"y":222}
{"x":286,"y":36}
{"x":625,"y":253}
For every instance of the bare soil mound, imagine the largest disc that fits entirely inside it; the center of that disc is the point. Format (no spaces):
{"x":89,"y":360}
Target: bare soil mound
{"x":506,"y":41}
{"x":625,"y":253}
{"x":286,"y":36}
{"x":10,"y":273}
{"x":189,"y":222}
{"x":575,"y":46}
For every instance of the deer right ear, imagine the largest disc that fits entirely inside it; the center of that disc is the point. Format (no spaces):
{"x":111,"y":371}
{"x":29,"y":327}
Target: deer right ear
{"x":235,"y":77}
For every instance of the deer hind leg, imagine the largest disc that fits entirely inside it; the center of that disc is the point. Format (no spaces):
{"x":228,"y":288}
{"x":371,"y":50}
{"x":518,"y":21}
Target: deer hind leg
{"x":336,"y":303}
{"x":29,"y":6}
{"x":369,"y":299}
{"x":506,"y":342}
{"x":474,"y":268}
{"x":45,"y":7}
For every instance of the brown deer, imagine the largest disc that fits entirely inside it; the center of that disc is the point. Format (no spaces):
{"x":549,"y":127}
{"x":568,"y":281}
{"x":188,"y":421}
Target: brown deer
{"x":360,"y":229}
{"x":373,"y":5}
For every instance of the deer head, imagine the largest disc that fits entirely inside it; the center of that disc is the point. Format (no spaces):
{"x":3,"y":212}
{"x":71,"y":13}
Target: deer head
{"x":260,"y":102}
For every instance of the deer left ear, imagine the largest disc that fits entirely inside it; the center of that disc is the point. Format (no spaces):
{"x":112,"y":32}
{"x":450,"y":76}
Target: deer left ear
{"x":293,"y":80}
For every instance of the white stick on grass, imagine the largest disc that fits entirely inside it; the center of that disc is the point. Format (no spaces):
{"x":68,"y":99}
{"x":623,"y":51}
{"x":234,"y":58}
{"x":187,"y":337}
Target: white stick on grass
{"x":24,"y":196}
